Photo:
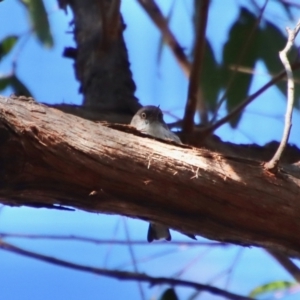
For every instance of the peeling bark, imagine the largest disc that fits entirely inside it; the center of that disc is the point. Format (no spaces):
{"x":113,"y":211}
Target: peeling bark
{"x":48,"y":157}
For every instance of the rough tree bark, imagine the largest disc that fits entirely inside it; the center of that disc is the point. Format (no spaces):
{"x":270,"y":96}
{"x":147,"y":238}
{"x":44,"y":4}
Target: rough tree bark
{"x":101,"y":60}
{"x":51,"y":158}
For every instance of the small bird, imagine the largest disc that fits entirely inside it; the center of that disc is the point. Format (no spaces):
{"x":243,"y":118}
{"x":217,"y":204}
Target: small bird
{"x":149,"y":120}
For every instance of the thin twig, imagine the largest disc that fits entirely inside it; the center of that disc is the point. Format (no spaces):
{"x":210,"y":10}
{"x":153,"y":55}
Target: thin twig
{"x":273,"y":163}
{"x":228,"y":271}
{"x":133,"y":259}
{"x":245,"y":70}
{"x":149,"y":258}
{"x":160,"y":21}
{"x":22,"y":44}
{"x":247,"y":101}
{"x":115,"y":242}
{"x":292,"y":3}
{"x":199,"y":48}
{"x":192,"y":263}
{"x":286,"y":263}
{"x":121,"y":275}
{"x":110,"y":246}
{"x":233,"y":265}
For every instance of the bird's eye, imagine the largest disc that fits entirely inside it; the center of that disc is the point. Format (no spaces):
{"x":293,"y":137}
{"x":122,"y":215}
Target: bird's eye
{"x":143,"y":115}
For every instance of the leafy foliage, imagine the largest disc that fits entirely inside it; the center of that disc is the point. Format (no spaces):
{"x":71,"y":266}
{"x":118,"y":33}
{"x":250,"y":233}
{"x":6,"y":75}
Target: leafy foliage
{"x":7,"y":44}
{"x":272,"y":287}
{"x":211,"y":78}
{"x":5,"y":82}
{"x":16,"y":84}
{"x":241,"y":50}
{"x":19,"y":87}
{"x":39,"y":19}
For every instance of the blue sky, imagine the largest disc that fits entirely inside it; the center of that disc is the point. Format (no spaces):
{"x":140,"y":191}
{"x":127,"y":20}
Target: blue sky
{"x":51,"y":79}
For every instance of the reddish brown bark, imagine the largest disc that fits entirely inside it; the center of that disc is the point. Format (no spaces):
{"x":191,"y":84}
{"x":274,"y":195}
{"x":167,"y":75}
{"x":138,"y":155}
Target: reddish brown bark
{"x":48,"y":157}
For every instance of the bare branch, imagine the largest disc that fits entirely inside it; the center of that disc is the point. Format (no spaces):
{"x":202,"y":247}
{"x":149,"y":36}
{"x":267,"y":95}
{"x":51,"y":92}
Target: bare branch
{"x":121,"y":275}
{"x":247,"y":101}
{"x":112,"y":242}
{"x":159,"y":20}
{"x":193,"y":90}
{"x":286,"y":263}
{"x":273,"y":163}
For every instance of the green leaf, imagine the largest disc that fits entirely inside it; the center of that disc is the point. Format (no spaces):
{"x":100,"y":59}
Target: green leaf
{"x":19,"y":88}
{"x":273,"y":38}
{"x":39,"y":20}
{"x":14,"y":82}
{"x":241,"y":49}
{"x":169,"y":294}
{"x":271,"y":287}
{"x":5,"y":82}
{"x":210,"y":78}
{"x":7,"y":44}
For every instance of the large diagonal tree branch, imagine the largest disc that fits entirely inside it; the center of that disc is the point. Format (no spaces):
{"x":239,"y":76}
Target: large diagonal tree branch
{"x":48,"y":157}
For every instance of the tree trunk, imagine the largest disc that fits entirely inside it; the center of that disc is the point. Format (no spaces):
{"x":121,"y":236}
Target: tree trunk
{"x":100,"y":58}
{"x":49,"y":158}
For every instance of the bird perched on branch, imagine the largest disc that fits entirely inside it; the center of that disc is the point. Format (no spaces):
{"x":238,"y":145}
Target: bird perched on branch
{"x":149,"y":120}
